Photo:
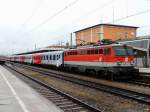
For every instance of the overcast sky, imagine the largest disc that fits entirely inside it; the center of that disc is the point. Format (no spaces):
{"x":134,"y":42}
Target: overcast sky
{"x":24,"y":23}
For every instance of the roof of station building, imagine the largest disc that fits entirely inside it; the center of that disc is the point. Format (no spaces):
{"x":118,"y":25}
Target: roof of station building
{"x":106,"y":24}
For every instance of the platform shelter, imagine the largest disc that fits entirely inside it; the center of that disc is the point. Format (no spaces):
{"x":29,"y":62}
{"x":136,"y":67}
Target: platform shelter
{"x":142,"y":51}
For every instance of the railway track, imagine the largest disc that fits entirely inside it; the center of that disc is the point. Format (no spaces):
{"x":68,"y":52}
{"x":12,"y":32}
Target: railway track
{"x":63,"y":100}
{"x":140,"y":82}
{"x":140,"y":97}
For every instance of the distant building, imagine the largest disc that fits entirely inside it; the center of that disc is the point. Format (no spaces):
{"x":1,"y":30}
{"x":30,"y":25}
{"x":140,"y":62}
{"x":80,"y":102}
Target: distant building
{"x":99,"y":32}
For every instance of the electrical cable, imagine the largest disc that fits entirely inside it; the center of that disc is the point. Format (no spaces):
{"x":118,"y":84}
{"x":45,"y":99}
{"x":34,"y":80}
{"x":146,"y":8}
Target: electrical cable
{"x":54,"y":15}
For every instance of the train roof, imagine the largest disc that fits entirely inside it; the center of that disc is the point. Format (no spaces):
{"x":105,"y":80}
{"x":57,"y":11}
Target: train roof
{"x":51,"y":52}
{"x":99,"y":46}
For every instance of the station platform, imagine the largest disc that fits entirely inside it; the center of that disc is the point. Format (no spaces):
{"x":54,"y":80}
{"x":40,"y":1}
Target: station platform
{"x":17,"y":96}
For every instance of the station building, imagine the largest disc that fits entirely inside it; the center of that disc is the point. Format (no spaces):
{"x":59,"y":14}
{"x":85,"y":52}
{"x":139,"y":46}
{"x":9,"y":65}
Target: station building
{"x":95,"y":34}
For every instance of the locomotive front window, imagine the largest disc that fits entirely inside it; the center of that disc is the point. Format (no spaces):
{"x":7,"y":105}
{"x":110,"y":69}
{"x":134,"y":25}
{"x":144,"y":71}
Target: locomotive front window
{"x":123,"y":51}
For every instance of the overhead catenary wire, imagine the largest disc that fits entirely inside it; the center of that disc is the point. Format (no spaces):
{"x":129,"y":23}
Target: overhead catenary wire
{"x":117,"y":20}
{"x":132,"y":15}
{"x":54,"y":15}
{"x":35,"y":10}
{"x":90,"y":12}
{"x":33,"y":13}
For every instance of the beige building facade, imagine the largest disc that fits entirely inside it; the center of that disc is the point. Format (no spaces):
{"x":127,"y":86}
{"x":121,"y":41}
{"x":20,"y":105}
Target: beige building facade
{"x":99,"y":32}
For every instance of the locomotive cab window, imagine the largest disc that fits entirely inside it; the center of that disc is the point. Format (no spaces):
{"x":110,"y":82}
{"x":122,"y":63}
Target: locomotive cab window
{"x":123,"y":51}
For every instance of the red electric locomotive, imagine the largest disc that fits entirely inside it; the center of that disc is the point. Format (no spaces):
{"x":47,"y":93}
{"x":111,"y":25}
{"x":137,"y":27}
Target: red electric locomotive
{"x":114,"y":61}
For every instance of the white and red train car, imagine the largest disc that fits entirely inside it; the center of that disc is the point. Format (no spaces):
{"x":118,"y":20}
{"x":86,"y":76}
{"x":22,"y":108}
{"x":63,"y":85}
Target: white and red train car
{"x":113,"y":61}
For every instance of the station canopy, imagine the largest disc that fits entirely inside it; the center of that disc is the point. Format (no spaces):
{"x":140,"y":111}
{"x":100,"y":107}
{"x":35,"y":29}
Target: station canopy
{"x":142,"y":44}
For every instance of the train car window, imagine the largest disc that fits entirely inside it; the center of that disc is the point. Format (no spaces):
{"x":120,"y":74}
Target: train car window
{"x":50,"y":57}
{"x":92,"y":51}
{"x":73,"y":53}
{"x":88,"y":52}
{"x":47,"y":57}
{"x":76,"y":53}
{"x":81,"y":52}
{"x":84,"y":51}
{"x":57,"y":57}
{"x":108,"y":51}
{"x":100,"y":51}
{"x":96,"y":51}
{"x":105,"y":51}
{"x":54,"y":57}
